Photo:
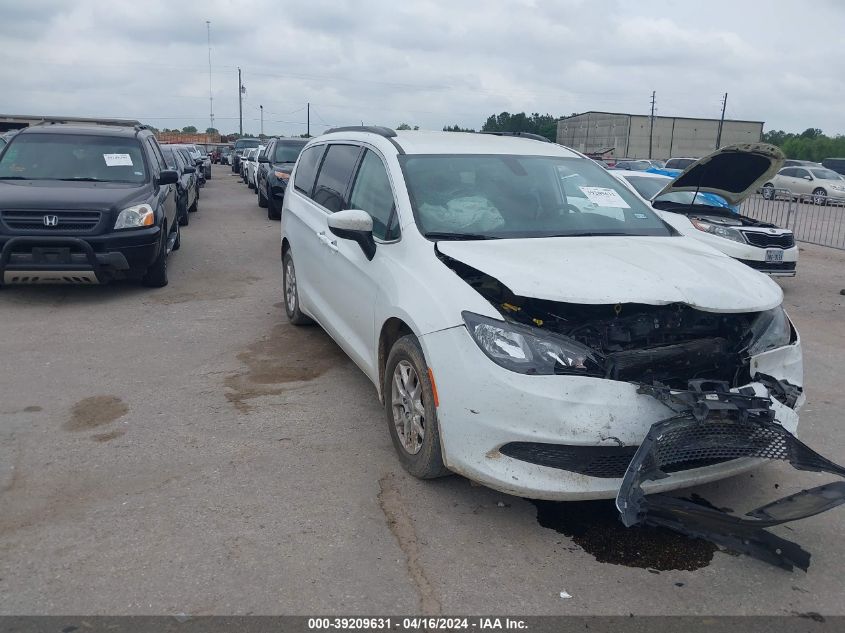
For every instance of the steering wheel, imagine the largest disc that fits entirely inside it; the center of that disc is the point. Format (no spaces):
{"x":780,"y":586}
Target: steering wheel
{"x":571,"y":207}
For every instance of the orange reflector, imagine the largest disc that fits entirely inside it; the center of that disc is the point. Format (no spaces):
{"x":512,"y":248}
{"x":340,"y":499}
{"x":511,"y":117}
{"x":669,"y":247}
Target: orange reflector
{"x":433,"y":387}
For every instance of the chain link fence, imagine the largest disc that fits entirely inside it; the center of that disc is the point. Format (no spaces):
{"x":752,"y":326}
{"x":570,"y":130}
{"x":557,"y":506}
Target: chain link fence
{"x":812,"y":219}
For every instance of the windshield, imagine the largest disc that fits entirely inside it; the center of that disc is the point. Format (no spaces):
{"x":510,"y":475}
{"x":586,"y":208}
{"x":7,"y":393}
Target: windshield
{"x":647,"y":187}
{"x":73,"y":157}
{"x":826,"y":174}
{"x":242,"y":144}
{"x":287,"y":153}
{"x":503,"y":196}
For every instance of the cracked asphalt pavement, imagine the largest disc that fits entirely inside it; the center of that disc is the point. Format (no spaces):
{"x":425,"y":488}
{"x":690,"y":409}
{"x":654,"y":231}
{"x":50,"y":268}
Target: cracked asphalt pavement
{"x":185,"y":450}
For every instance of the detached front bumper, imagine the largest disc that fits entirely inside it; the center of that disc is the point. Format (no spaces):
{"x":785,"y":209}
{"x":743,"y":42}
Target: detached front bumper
{"x":94,"y":259}
{"x":562,"y":437}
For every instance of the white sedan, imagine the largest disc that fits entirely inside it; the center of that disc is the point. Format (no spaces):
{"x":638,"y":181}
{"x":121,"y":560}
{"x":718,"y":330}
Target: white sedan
{"x":517,"y":337}
{"x":699,"y":214}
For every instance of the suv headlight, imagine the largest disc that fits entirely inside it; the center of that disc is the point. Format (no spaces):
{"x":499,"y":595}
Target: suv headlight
{"x":135,"y":217}
{"x":769,"y":330}
{"x":529,"y":350}
{"x":729,"y":233}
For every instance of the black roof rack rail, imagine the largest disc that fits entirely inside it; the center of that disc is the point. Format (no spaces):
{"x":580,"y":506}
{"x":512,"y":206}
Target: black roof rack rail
{"x":50,"y":120}
{"x":535,"y":137}
{"x":373,"y":129}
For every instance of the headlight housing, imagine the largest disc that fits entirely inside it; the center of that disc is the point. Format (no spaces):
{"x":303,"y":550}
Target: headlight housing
{"x":728,"y":232}
{"x":769,"y":330}
{"x":529,"y":350}
{"x":139,"y":216}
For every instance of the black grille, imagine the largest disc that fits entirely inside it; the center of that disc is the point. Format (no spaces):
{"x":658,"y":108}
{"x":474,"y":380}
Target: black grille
{"x":66,"y":221}
{"x":766,"y":240}
{"x":769,"y":266}
{"x":606,"y":462}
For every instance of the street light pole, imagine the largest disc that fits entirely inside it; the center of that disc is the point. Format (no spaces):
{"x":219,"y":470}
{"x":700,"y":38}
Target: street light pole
{"x":262,"y":120}
{"x":210,"y":93}
{"x":240,"y":104}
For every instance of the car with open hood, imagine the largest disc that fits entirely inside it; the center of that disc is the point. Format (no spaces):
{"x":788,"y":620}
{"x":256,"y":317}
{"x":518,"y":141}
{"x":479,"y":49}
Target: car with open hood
{"x":516,"y":337}
{"x":700,"y":203}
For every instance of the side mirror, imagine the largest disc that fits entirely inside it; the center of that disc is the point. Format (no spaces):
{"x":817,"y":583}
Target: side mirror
{"x":808,"y":177}
{"x":168,"y":177}
{"x":198,"y":162}
{"x":263,"y":159}
{"x":355,"y":225}
{"x":190,"y":170}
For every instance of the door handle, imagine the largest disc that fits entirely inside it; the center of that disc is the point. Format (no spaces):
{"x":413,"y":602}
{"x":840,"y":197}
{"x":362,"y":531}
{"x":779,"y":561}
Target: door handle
{"x":327,"y":241}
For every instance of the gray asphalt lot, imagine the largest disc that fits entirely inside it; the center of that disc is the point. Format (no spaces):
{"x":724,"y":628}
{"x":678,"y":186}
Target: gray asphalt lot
{"x":185,"y":450}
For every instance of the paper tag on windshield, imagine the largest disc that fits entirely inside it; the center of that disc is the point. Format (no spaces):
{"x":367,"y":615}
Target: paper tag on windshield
{"x":604,"y":197}
{"x":118,"y":160}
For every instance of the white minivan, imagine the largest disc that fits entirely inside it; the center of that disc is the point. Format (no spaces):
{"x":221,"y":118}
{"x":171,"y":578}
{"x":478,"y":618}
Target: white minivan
{"x":519,"y":337}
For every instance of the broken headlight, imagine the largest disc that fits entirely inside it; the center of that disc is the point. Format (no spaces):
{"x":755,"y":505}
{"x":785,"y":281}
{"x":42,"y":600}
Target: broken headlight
{"x":530,"y":350}
{"x":769,"y":330}
{"x":729,"y":233}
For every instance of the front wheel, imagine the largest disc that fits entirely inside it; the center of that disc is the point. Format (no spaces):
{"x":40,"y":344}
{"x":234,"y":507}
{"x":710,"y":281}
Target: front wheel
{"x":156,"y":275}
{"x":819,"y":196}
{"x":769,"y":191}
{"x":262,"y":199}
{"x":411,"y":411}
{"x":291,"y":292}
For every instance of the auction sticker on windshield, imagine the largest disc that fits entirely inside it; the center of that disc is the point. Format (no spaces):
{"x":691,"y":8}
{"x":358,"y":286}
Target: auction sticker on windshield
{"x":118,"y":160}
{"x":604,"y":197}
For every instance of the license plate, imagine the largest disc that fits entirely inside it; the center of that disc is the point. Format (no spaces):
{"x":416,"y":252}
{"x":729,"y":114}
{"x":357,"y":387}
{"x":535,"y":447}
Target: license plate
{"x":50,"y":255}
{"x":774,"y":256}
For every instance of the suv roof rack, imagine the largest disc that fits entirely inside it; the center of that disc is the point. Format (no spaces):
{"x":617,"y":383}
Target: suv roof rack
{"x":535,"y":137}
{"x":374,"y":129}
{"x":50,"y":120}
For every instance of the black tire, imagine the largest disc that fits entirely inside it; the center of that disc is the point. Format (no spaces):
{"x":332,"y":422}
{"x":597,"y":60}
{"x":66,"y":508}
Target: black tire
{"x":427,"y":462}
{"x":819,"y":196}
{"x":273,"y":210}
{"x":262,"y":200}
{"x":156,"y":275}
{"x":177,"y":243}
{"x":184,"y":218}
{"x":768,"y":191}
{"x":295,"y":316}
{"x":194,"y":207}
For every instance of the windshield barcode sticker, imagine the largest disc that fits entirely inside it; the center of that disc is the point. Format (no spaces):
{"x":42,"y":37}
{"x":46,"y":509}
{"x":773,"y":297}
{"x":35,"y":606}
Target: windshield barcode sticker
{"x":604,"y":197}
{"x":118,"y":160}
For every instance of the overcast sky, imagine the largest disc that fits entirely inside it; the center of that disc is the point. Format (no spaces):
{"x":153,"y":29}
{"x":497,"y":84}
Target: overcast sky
{"x":422,"y":62}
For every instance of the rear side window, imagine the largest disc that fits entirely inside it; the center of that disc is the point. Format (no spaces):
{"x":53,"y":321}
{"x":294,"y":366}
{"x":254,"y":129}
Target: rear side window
{"x":335,"y":175}
{"x":372,"y":193}
{"x":306,"y":169}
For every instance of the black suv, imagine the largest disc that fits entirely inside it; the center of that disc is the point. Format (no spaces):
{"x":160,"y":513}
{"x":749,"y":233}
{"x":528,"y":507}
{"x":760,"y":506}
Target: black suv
{"x":237,"y":151}
{"x":274,"y":167}
{"x":86,"y":203}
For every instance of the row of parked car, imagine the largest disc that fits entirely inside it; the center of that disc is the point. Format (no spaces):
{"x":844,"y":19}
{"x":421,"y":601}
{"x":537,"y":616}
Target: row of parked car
{"x":87,"y":202}
{"x":266,"y":169}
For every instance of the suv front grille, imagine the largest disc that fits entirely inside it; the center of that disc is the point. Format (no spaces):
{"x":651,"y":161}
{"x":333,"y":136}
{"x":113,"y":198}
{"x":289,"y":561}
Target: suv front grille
{"x":767,"y":240}
{"x":66,"y":221}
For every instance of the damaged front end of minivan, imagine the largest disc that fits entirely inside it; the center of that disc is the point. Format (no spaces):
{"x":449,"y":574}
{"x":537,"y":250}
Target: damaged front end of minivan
{"x":710,"y":368}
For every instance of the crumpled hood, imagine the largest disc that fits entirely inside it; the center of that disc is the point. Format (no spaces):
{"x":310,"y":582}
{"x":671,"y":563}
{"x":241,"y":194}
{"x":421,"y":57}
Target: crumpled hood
{"x":610,"y":270}
{"x":733,"y":172}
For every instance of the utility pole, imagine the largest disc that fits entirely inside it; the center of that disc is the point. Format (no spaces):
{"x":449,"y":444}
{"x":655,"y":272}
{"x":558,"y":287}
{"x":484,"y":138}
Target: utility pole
{"x":721,"y":121}
{"x":240,"y":104}
{"x":651,"y":124}
{"x":262,"y":120}
{"x":308,"y":124}
{"x":210,"y":93}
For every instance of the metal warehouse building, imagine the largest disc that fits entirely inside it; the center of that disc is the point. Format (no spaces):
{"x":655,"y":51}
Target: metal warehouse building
{"x":627,"y":135}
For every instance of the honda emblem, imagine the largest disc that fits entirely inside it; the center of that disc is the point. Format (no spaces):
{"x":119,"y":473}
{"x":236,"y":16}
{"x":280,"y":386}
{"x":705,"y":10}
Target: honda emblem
{"x":51,"y":220}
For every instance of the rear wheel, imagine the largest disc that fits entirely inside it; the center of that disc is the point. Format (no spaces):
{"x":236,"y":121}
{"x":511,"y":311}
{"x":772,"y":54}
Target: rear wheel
{"x":769,"y":191}
{"x":262,"y":200}
{"x":291,"y":292}
{"x":410,"y":410}
{"x":819,"y":196}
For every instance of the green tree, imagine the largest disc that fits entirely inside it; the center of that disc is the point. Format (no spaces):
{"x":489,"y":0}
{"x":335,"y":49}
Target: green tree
{"x":536,"y":123}
{"x":456,"y":128}
{"x":403,"y":126}
{"x":211,"y":130}
{"x":189,"y":129}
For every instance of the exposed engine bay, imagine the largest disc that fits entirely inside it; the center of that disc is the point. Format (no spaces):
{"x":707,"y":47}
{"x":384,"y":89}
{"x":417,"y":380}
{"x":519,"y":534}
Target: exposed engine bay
{"x":670,"y":344}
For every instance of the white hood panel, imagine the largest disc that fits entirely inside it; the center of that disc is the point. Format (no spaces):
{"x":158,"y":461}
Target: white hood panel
{"x":610,"y":270}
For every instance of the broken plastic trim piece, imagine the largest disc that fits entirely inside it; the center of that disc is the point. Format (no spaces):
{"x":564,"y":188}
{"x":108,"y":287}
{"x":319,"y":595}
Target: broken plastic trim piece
{"x":714,"y":423}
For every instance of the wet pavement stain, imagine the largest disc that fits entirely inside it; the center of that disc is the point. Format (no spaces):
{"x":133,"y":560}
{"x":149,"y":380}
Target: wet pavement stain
{"x":106,"y":437}
{"x":596,"y":528}
{"x":90,"y":413}
{"x":289,"y":354}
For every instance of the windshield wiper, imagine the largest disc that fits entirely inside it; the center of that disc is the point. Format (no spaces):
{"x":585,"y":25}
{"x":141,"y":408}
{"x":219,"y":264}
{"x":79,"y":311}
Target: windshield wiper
{"x":592,"y":234}
{"x":13,"y":178}
{"x":81,"y":179}
{"x":443,"y":235}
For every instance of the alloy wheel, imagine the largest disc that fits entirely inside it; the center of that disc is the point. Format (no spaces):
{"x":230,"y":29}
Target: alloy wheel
{"x":408,"y":409}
